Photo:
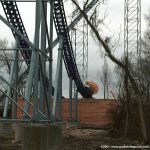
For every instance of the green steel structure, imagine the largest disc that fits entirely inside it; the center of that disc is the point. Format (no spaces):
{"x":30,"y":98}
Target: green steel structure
{"x":39,"y":89}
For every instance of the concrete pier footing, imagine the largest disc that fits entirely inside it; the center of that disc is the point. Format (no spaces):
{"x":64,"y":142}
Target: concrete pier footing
{"x":38,"y":136}
{"x":6,"y":128}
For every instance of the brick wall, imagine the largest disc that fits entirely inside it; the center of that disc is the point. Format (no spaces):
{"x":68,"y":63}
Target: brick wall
{"x":91,"y":112}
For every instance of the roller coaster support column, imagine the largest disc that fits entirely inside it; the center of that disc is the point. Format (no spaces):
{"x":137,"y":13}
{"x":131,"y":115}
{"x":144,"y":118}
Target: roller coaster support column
{"x":60,"y":94}
{"x":15,"y":96}
{"x":58,"y":76}
{"x":33,"y":58}
{"x":70,"y":99}
{"x":43,"y":48}
{"x":36,"y":61}
{"x":51,"y":53}
{"x":29,"y":83}
{"x":76,"y":105}
{"x":9,"y":88}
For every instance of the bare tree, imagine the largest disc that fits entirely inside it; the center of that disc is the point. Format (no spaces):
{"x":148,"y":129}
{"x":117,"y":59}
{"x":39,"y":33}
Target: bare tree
{"x":5,"y":56}
{"x":6,"y":59}
{"x":122,"y":65}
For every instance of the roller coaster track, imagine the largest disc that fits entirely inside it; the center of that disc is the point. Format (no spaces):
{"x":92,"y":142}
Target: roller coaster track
{"x":14,"y":18}
{"x":68,"y":56}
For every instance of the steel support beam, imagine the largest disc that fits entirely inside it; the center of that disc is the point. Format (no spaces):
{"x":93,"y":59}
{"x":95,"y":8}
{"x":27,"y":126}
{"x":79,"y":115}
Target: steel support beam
{"x":15,"y":103}
{"x":36,"y":60}
{"x":60,"y":94}
{"x":70,"y":99}
{"x":29,"y":83}
{"x":9,"y":88}
{"x":15,"y":94}
{"x":18,"y":93}
{"x":51,"y":56}
{"x":43,"y":62}
{"x":58,"y":76}
{"x":76,"y":106}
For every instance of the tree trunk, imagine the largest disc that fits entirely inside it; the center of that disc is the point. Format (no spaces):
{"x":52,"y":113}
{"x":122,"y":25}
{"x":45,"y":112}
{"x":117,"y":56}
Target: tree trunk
{"x":142,"y":121}
{"x":127,"y":99}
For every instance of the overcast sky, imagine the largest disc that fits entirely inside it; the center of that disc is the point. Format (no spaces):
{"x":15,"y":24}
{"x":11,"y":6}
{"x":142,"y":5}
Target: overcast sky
{"x":114,"y":24}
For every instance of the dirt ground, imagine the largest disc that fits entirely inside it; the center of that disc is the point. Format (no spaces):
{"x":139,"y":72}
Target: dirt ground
{"x":74,"y":138}
{"x":93,"y":139}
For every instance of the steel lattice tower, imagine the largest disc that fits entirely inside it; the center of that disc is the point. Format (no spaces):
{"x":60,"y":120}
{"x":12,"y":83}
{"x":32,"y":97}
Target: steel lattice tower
{"x":80,"y":40}
{"x":79,"y":36}
{"x":132,"y":29}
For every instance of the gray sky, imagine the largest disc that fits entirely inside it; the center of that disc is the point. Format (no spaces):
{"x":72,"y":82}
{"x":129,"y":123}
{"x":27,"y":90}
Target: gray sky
{"x":114,"y":22}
